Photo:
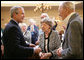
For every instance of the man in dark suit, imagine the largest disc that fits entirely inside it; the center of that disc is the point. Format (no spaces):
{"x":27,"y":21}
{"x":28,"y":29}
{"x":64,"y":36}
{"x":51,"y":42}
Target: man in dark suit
{"x":13,"y":40}
{"x":72,"y":46}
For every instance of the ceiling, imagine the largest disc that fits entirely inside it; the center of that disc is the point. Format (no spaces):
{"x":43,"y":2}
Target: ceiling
{"x":33,"y":3}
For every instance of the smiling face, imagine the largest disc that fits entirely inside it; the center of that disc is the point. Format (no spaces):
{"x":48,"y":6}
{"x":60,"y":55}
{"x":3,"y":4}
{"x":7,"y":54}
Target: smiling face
{"x":19,"y":17}
{"x":45,"y":27}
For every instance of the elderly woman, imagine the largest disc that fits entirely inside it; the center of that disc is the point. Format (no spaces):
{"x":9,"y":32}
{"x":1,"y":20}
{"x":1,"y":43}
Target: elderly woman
{"x":27,"y":34}
{"x":49,"y":41}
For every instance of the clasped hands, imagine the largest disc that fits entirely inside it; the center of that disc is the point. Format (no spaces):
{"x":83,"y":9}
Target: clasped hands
{"x":45,"y":55}
{"x":37,"y":50}
{"x":59,"y":50}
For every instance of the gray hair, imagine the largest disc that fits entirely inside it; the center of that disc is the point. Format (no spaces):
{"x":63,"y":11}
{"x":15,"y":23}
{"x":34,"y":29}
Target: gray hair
{"x":32,"y":21}
{"x":69,"y":5}
{"x":46,"y":16}
{"x":48,"y":22}
{"x":15,"y":9}
{"x":22,"y":24}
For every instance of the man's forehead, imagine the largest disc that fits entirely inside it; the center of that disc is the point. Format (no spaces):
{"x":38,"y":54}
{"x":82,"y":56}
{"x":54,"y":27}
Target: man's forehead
{"x":21,"y":9}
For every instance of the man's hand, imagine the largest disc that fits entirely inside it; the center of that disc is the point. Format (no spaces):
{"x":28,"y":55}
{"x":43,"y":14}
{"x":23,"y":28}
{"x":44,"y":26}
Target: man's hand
{"x":31,"y":45}
{"x":37,"y":50}
{"x":59,"y":51}
{"x":37,"y":42}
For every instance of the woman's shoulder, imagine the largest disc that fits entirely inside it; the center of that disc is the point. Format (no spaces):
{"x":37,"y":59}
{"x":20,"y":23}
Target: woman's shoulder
{"x":54,"y":32}
{"x":41,"y":35}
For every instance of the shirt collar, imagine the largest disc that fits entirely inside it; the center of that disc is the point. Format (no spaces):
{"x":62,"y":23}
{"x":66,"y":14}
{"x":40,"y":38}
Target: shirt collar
{"x":14,"y":20}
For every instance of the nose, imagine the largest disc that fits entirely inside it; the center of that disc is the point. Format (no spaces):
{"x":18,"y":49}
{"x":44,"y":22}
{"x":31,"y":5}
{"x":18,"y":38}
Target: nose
{"x":23,"y":15}
{"x":42,"y":26}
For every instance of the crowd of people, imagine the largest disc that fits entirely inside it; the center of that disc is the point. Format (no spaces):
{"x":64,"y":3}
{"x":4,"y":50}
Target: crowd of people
{"x":22,"y":41}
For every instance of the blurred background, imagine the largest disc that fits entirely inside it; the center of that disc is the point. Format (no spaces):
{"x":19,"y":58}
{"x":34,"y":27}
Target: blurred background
{"x":34,"y":9}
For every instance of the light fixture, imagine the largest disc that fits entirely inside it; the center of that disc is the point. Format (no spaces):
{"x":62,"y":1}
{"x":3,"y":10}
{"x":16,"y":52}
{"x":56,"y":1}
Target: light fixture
{"x":42,"y":7}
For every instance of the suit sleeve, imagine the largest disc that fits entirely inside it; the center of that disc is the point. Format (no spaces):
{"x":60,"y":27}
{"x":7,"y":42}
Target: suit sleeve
{"x":74,"y":40}
{"x":15,"y":43}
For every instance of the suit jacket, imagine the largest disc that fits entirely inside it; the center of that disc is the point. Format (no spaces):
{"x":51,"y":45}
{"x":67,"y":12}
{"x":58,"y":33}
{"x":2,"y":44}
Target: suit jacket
{"x":54,"y":43}
{"x":73,"y":39}
{"x":14,"y":43}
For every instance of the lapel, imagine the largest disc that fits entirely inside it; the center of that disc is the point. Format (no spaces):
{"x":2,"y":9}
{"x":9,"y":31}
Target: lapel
{"x":13,"y":22}
{"x":71,"y":18}
{"x":48,"y":40}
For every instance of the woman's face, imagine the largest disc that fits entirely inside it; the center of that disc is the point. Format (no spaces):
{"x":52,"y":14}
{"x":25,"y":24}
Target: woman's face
{"x":24,"y":28}
{"x":45,"y":27}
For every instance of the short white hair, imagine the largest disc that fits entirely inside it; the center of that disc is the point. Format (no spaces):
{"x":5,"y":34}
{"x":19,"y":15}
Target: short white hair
{"x":68,"y":4}
{"x":32,"y":21}
{"x":45,"y":16}
{"x":22,"y":24}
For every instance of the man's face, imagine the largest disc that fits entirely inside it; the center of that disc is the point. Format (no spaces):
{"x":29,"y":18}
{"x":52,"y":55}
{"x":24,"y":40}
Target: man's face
{"x":62,"y":12}
{"x":20,"y":15}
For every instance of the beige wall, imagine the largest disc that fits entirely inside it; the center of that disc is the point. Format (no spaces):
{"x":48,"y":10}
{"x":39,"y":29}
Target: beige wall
{"x":29,"y":13}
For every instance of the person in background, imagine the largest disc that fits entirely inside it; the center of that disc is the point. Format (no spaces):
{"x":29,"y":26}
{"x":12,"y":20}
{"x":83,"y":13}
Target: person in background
{"x":72,"y":46}
{"x":45,"y":16}
{"x":49,"y":41}
{"x":61,"y":34}
{"x":26,"y":34}
{"x":34,"y":31}
{"x":13,"y":39}
{"x":23,"y":27}
{"x":2,"y":46}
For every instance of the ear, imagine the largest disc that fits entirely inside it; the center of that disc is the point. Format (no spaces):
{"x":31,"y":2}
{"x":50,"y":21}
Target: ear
{"x":14,"y":14}
{"x":67,"y":10}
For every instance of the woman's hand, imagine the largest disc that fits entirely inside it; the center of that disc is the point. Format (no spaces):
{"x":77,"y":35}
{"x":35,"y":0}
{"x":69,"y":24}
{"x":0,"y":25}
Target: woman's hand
{"x":45,"y":55}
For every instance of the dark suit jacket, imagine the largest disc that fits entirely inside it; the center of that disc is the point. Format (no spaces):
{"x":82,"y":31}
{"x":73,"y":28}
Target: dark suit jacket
{"x":14,"y":43}
{"x":73,"y":38}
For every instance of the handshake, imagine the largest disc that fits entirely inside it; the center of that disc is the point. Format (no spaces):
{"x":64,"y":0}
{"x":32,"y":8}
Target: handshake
{"x":37,"y":49}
